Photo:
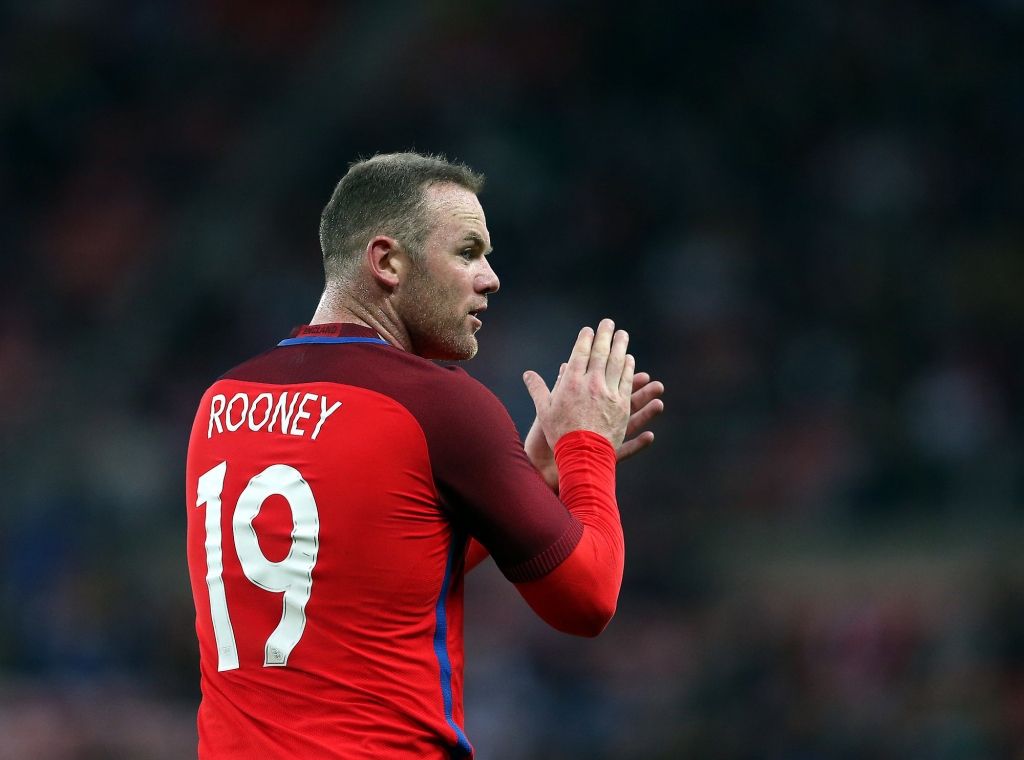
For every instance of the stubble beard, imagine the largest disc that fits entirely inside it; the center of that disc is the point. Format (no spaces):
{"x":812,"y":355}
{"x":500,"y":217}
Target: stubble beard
{"x":435,"y":321}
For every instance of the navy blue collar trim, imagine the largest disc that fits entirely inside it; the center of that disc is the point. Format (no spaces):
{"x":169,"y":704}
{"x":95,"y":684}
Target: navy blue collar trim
{"x":324,"y":339}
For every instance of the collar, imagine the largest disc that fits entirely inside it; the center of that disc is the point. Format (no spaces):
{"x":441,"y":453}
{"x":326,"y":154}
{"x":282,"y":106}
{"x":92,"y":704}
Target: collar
{"x":334,"y":332}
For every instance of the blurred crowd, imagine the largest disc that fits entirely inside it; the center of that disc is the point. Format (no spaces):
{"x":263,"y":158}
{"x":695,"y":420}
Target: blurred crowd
{"x":803,"y":212}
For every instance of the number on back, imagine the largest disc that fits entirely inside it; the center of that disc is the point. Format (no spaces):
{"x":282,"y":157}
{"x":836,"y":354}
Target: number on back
{"x":292,"y":576}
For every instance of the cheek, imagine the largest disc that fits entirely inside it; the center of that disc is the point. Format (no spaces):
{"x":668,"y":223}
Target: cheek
{"x":453,"y":292}
{"x":456,"y":287}
{"x":439,"y":294}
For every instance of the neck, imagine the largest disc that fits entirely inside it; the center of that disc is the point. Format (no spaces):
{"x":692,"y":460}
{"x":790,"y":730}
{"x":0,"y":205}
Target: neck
{"x":344,"y":304}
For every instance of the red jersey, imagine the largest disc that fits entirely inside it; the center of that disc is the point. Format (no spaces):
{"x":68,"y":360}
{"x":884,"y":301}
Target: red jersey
{"x":333,"y":484}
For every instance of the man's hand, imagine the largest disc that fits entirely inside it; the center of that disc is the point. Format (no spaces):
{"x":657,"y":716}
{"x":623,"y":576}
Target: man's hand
{"x":644,"y":401}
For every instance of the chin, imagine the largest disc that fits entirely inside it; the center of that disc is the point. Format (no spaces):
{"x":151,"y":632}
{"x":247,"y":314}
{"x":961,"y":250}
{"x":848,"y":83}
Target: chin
{"x":450,"y":349}
{"x":463,"y":352}
{"x":472,"y":350}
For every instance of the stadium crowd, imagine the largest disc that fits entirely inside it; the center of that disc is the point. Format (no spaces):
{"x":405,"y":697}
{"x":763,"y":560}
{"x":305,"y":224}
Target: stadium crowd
{"x":804,"y":214}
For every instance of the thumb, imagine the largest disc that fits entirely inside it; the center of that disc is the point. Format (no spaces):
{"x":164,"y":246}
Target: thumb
{"x":538,"y":390}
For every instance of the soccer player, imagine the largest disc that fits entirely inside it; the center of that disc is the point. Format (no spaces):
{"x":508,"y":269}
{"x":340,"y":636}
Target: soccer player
{"x":341,"y":484}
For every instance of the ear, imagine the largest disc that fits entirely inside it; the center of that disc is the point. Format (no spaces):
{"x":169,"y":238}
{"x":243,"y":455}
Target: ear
{"x":387,"y":260}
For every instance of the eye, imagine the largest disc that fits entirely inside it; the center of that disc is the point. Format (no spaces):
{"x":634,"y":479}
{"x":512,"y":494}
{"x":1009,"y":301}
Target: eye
{"x":467,"y":254}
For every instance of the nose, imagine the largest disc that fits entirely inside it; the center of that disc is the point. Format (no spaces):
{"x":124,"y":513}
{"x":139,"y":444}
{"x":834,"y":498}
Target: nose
{"x":486,"y":281}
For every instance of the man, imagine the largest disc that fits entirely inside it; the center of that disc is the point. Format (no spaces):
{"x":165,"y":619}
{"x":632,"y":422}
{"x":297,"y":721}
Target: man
{"x":341,"y":484}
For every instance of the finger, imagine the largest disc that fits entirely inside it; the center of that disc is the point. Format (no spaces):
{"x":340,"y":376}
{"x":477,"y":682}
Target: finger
{"x":538,"y":391}
{"x":634,"y":446}
{"x":602,"y":347}
{"x":561,"y":371}
{"x":626,"y":380}
{"x":640,"y":379}
{"x":643,"y":417}
{"x":644,"y":395}
{"x":616,"y":359}
{"x":580,"y":355}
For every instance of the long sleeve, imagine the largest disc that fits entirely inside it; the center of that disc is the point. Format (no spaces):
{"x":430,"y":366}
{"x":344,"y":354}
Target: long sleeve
{"x":579,"y":596}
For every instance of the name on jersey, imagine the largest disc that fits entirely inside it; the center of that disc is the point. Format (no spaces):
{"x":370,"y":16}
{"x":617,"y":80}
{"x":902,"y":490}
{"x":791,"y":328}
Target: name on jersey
{"x":284,"y":412}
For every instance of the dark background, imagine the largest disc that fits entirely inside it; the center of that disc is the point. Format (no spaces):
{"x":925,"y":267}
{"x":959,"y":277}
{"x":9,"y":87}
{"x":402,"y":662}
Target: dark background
{"x":807,"y":214}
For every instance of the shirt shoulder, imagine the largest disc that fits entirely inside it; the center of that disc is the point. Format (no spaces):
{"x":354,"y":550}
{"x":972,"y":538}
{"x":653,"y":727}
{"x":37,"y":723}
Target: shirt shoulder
{"x":436,"y":395}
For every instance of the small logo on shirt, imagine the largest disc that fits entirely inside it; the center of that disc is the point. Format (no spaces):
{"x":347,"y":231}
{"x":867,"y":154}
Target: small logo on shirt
{"x":324,"y":330}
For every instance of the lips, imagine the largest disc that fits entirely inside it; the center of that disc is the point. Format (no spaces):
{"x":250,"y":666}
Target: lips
{"x":475,"y":314}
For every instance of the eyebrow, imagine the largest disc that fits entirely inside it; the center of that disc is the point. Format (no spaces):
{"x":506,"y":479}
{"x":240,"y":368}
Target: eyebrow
{"x":478,"y":241}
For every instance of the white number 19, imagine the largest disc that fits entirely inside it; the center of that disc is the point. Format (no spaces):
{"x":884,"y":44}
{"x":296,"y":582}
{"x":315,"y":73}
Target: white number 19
{"x":293,"y":575}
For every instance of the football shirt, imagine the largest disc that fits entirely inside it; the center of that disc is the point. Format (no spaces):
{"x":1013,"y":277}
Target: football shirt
{"x":332,"y":484}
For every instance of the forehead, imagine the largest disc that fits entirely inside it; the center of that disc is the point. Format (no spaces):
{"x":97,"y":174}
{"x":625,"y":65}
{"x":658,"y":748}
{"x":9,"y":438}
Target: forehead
{"x":457,"y":212}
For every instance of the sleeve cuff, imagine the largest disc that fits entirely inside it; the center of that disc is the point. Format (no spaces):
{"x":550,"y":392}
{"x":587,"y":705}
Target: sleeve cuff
{"x":585,"y":439}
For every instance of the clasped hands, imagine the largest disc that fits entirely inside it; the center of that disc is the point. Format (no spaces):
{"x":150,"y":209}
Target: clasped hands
{"x":598,"y":389}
